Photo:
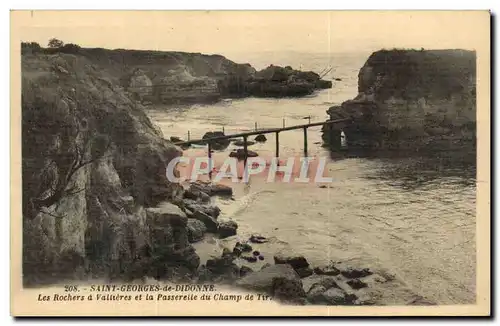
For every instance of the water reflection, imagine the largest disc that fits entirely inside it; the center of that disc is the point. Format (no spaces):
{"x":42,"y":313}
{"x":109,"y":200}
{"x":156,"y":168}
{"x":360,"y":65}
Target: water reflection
{"x":415,"y":171}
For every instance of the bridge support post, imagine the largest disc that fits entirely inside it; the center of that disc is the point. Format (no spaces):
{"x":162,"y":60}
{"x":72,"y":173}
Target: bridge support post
{"x":245,"y":150}
{"x":277,"y":146}
{"x":189,"y":136}
{"x":305,"y":141}
{"x":209,"y":160}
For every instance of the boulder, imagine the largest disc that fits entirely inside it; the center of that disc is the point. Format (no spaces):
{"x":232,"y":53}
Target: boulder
{"x":196,"y":229}
{"x":196,"y":195}
{"x":210,"y":222}
{"x":166,"y":214}
{"x":194,"y":206}
{"x":296,"y":261}
{"x":217,"y":189}
{"x":263,"y":280}
{"x":227,"y":228}
{"x":255,"y":238}
{"x":260,"y":138}
{"x":327,"y":270}
{"x":335,"y":296}
{"x":356,"y":284}
{"x":241,"y":247}
{"x":219,"y":270}
{"x":353,"y":272}
{"x":211,"y":189}
{"x":216,"y":144}
{"x":240,"y":154}
{"x":324,"y":84}
{"x":288,"y":290}
{"x":304,"y":271}
{"x":240,"y":142}
{"x":315,"y":295}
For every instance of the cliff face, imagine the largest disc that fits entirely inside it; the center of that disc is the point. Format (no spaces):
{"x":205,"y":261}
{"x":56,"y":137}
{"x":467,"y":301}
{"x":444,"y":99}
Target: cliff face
{"x":412,"y":99}
{"x":95,"y":192}
{"x":171,"y":77}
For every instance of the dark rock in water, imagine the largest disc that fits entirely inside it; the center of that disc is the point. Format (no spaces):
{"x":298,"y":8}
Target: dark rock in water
{"x":261,"y":138}
{"x":219,"y":144}
{"x":209,"y":221}
{"x":241,"y":247}
{"x":245,"y":270}
{"x":323,"y":186}
{"x":296,"y":261}
{"x":240,"y":142}
{"x":326,"y":270}
{"x":288,"y":291}
{"x":217,"y":189}
{"x":261,"y":257}
{"x":304,"y":271}
{"x":255,"y":238}
{"x":356,"y":284}
{"x":263,"y":280}
{"x":324,"y":84}
{"x":196,"y":229}
{"x":237,"y":251}
{"x":240,"y":154}
{"x":338,"y":79}
{"x":227,"y":228}
{"x":256,"y":253}
{"x":245,"y":247}
{"x":250,"y":259}
{"x":351,"y":272}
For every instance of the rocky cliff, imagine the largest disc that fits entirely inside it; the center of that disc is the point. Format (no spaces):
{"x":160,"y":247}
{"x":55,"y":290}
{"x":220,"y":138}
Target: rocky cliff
{"x":411,"y":99}
{"x":96,"y":199}
{"x":171,"y":77}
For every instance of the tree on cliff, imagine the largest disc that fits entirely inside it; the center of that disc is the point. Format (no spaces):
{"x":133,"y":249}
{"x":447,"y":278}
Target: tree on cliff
{"x":57,"y":142}
{"x":55,"y":43}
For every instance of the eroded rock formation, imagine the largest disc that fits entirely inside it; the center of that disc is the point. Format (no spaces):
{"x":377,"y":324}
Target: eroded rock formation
{"x":411,"y":99}
{"x":93,"y":168}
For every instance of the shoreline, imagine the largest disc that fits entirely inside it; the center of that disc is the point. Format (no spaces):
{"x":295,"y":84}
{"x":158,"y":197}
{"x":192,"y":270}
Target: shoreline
{"x":337,"y":283}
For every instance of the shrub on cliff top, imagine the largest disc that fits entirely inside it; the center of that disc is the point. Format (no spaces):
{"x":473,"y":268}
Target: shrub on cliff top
{"x":55,"y":43}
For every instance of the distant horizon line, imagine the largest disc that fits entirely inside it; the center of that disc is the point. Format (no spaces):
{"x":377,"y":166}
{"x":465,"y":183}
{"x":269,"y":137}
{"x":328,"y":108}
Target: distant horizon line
{"x":371,"y":50}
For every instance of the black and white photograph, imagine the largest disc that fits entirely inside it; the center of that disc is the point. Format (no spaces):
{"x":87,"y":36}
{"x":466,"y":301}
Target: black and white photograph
{"x":238,"y":161}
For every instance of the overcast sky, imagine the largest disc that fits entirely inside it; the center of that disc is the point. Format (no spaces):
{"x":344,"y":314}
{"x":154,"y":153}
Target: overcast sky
{"x":232,"y":32}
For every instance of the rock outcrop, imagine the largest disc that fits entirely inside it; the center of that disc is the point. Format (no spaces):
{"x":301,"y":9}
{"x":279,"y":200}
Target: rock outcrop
{"x":276,"y":81}
{"x":95,"y":192}
{"x":411,"y":99}
{"x":180,"y":77}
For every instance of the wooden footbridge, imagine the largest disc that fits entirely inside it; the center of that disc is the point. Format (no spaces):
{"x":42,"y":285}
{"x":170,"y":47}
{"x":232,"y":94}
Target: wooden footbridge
{"x":276,"y":131}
